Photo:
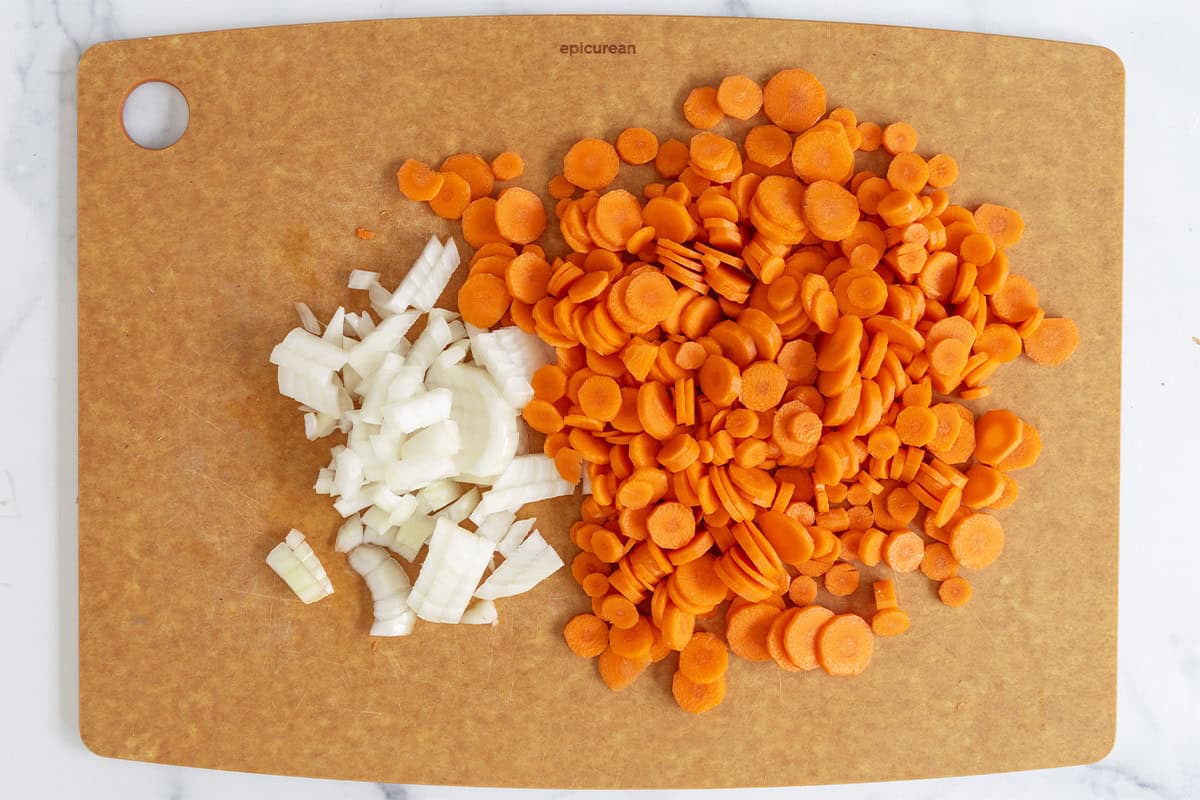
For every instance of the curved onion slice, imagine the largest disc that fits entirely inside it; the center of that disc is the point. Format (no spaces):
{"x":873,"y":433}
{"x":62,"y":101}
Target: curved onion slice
{"x":487,"y":425}
{"x":452,"y":569}
{"x":389,"y":587}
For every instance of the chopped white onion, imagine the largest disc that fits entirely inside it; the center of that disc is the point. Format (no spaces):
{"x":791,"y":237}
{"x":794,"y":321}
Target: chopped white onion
{"x":461,"y":508}
{"x":494,"y":526}
{"x":411,"y":536}
{"x":419,"y":411}
{"x":424,"y":419}
{"x":452,"y":569}
{"x":308,"y":320}
{"x":293,"y":560}
{"x":480,"y":612}
{"x":417,"y":473}
{"x":389,"y":587}
{"x":515,"y":536}
{"x":533,"y":562}
{"x":440,"y":440}
{"x":511,"y":356}
{"x":350,"y":535}
{"x":362,"y":279}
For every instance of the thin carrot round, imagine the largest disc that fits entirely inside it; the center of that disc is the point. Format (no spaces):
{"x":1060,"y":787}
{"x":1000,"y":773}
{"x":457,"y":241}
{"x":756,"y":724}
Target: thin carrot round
{"x":508,"y":166}
{"x":520,"y":215}
{"x":474,"y":170}
{"x":845,"y":645}
{"x":619,"y":672}
{"x":483,"y":299}
{"x":1053,"y":342}
{"x":763,"y":385}
{"x":794,"y":99}
{"x":697,"y":698}
{"x":671,"y":525}
{"x":768,"y":145}
{"x":705,"y":659}
{"x":633,"y":642}
{"x":586,"y":635}
{"x":701,"y":108}
{"x":453,"y":198}
{"x":802,"y":590}
{"x":637,"y":145}
{"x":591,"y":164}
{"x":748,"y":630}
{"x":417,"y":181}
{"x":739,"y":97}
{"x":955,"y":591}
{"x":890,"y":622}
{"x":800,"y":635}
{"x":841,"y":579}
{"x":977,"y":540}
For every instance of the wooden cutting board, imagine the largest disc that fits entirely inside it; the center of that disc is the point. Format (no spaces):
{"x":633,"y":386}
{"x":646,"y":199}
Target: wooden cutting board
{"x":191,"y":467}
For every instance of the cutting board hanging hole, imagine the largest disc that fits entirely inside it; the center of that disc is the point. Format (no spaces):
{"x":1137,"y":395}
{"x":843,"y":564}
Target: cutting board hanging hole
{"x":155,"y":115}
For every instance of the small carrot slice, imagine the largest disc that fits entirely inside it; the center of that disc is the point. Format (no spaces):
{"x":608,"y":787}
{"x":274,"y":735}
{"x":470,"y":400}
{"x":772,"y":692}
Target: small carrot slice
{"x":1053,"y":342}
{"x":671,"y":525}
{"x":955,"y":591}
{"x":977,"y":540}
{"x":841,"y":579}
{"x":748,"y":630}
{"x":586,"y":635}
{"x":697,"y":698}
{"x":705,"y":659}
{"x":637,"y":145}
{"x":634,"y":642}
{"x":591,"y":164}
{"x":474,"y":170}
{"x":845,"y":645}
{"x":453,"y":198}
{"x":417,"y":181}
{"x":800,"y":635}
{"x":890,"y":622}
{"x":794,"y":99}
{"x":802,"y":590}
{"x":701,"y":108}
{"x":483,"y":299}
{"x":739,"y":97}
{"x":508,"y":166}
{"x":619,"y":672}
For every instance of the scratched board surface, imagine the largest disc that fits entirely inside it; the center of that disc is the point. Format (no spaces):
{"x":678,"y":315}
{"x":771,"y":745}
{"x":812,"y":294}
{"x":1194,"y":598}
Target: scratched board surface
{"x":191,"y":467}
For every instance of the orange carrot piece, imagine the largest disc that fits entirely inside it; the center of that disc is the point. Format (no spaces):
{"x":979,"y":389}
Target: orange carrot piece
{"x":845,"y":645}
{"x":586,"y":635}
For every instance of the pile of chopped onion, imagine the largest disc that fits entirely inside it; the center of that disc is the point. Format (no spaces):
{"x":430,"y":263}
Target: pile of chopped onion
{"x":433,"y":455}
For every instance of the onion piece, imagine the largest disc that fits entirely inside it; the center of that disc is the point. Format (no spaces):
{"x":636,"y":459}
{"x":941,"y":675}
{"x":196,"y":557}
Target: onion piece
{"x":440,"y":440}
{"x":301,"y":348}
{"x":431,"y":342}
{"x":389,"y":587}
{"x":419,"y":411}
{"x":452,"y":569}
{"x":428,"y":276}
{"x":362,"y":279}
{"x":515,"y":536}
{"x":461,"y":508}
{"x":411,"y":536}
{"x":439,"y":494}
{"x":308,"y":320}
{"x":293,"y":560}
{"x":480,"y":612}
{"x":494,"y":526}
{"x":533,"y":562}
{"x":511,"y":356}
{"x":350,"y":535}
{"x":487,"y":425}
{"x":416,"y":473}
{"x":384,"y":339}
{"x":526,"y":469}
{"x":516,"y":496}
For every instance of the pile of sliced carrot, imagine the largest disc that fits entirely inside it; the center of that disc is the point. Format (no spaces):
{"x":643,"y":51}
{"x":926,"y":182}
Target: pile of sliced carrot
{"x":759,"y":374}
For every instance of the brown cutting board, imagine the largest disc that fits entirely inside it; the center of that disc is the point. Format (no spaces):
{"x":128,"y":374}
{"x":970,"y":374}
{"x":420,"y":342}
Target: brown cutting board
{"x":191,"y":466}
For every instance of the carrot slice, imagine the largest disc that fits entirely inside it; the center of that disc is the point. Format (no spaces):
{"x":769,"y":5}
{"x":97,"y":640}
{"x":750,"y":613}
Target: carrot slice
{"x":701,"y":108}
{"x":619,"y":672}
{"x":586,"y":635}
{"x":508,"y":166}
{"x":474,"y":170}
{"x":955,"y":591}
{"x":794,"y":99}
{"x":748,"y":631}
{"x":591,"y":164}
{"x":977,"y":540}
{"x":697,"y":698}
{"x":417,"y":181}
{"x":800,"y":635}
{"x":845,"y":645}
{"x":705,"y":659}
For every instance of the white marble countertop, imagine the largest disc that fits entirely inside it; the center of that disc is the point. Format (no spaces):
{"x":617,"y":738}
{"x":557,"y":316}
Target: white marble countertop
{"x":1157,"y":752}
